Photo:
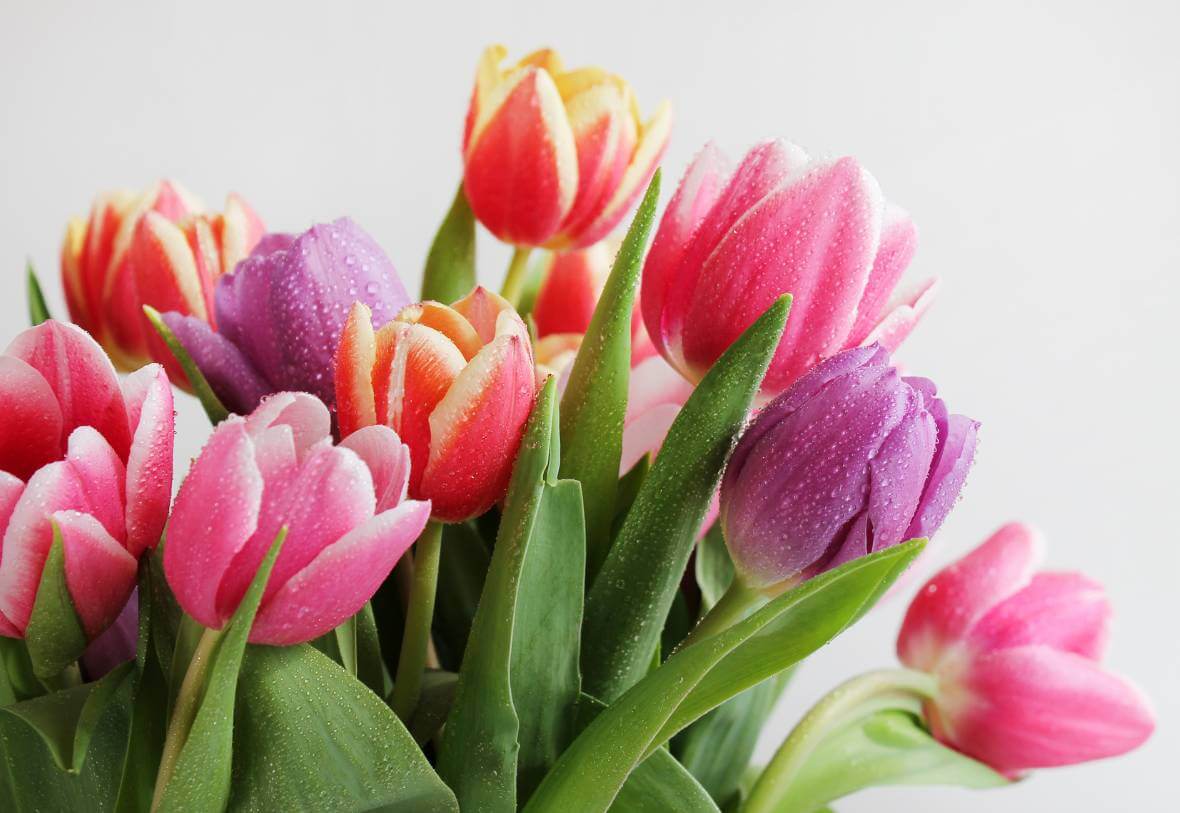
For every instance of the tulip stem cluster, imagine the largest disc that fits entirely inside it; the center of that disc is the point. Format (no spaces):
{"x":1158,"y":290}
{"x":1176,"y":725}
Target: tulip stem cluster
{"x":733,"y":605}
{"x":517,"y":274}
{"x":850,"y":701}
{"x":407,"y":686}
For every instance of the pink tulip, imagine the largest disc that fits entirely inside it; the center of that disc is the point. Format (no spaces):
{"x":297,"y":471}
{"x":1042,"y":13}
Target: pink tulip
{"x":1016,"y":657}
{"x":729,"y":244}
{"x":345,"y":509}
{"x":82,"y":452}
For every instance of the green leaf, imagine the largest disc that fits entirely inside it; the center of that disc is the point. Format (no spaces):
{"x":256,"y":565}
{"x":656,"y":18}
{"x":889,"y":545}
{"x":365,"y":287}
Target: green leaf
{"x":546,"y":640}
{"x":188,"y":635}
{"x":17,"y":681}
{"x":889,"y":747}
{"x":714,"y":568}
{"x":479,"y":748}
{"x":593,"y":769}
{"x":630,"y":598}
{"x":629,"y":485}
{"x":434,"y":704}
{"x":462,"y":568}
{"x":54,"y":636}
{"x":450,"y":265}
{"x":308,"y":735}
{"x":595,"y":399}
{"x":370,"y":664}
{"x":214,"y":409}
{"x":201,"y":778}
{"x":38,"y":310}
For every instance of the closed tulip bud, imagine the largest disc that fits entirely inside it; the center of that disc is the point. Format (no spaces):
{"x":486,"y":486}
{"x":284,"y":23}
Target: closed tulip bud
{"x":730,"y":243}
{"x":280,"y":314}
{"x":553,"y":157}
{"x":85,"y":454}
{"x":1016,"y":657}
{"x":157,"y":248}
{"x":852,"y":459}
{"x":455,"y":382}
{"x":343,"y":506}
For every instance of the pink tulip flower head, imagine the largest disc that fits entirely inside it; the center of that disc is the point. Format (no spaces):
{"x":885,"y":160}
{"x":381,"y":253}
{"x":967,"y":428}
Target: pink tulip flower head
{"x":344,"y":507}
{"x":1016,"y":655}
{"x":730,"y":243}
{"x":84,"y":453}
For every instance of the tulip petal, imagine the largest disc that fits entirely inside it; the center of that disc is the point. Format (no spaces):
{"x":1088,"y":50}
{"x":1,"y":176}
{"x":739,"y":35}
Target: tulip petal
{"x":644,"y":434}
{"x":305,"y":414}
{"x":1066,"y":611}
{"x":116,"y":645}
{"x":388,"y":460}
{"x":237,"y":230}
{"x":149,"y":463}
{"x":948,"y":472}
{"x":236,"y":382}
{"x":456,"y":326}
{"x":946,"y":608}
{"x":569,"y":294}
{"x":31,"y":432}
{"x":340,"y":579}
{"x":1036,"y":707}
{"x":897,"y":324}
{"x":899,"y":241}
{"x":216,"y":512}
{"x":484,"y":309}
{"x":100,"y":573}
{"x":356,"y":355}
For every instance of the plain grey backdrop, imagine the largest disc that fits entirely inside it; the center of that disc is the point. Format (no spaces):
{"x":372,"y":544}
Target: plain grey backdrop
{"x":1037,"y":146}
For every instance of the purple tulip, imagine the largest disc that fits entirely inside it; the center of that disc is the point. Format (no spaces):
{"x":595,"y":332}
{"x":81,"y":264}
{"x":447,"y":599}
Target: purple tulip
{"x":280,"y":313}
{"x":851,"y":459}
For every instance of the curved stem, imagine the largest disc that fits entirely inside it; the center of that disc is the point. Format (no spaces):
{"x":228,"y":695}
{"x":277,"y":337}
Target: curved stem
{"x":734,"y":603}
{"x":514,"y":280}
{"x":416,"y":643}
{"x":850,"y":700}
{"x":185,"y":709}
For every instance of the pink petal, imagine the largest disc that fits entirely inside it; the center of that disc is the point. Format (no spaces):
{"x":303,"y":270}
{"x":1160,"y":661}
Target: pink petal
{"x":949,"y":604}
{"x":899,"y":241}
{"x":1036,"y":707}
{"x":11,"y":487}
{"x":30,"y":434}
{"x":1066,"y":611}
{"x":100,"y":574}
{"x":149,"y":463}
{"x":101,"y":478}
{"x":897,"y":324}
{"x":216,"y":511}
{"x":654,"y":382}
{"x":342,"y":577}
{"x":304,"y":413}
{"x":388,"y":460}
{"x":644,"y":434}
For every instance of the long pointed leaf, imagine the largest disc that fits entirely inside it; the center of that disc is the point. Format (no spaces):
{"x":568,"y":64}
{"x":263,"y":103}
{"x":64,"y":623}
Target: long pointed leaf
{"x":38,"y":310}
{"x":450,"y":265}
{"x":196,"y":379}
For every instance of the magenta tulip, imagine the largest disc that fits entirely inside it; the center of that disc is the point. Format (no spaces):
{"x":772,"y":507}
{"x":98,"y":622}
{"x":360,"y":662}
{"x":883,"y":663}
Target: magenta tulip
{"x":730,"y":244}
{"x":83,"y":453}
{"x":345,"y":509}
{"x":1016,"y":657}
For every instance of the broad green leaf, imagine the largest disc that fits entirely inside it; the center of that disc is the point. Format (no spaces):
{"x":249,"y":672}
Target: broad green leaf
{"x":450,"y":265}
{"x":479,"y":747}
{"x":595,"y":399}
{"x":201,"y":778}
{"x":188,"y":635}
{"x":38,"y":310}
{"x":462,"y":568}
{"x":309,"y":736}
{"x":212,"y":405}
{"x":629,"y":485}
{"x":714,"y":568}
{"x":591,"y":771}
{"x":629,"y":599}
{"x":546,"y":640}
{"x":54,"y":636}
{"x":889,"y":747}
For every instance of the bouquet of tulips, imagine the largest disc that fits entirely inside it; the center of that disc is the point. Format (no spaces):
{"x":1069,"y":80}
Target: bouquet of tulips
{"x":554,"y":549}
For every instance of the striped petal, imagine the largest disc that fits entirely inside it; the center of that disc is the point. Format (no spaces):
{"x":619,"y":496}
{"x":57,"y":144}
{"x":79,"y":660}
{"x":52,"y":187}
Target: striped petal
{"x":31,"y":432}
{"x":149,"y":463}
{"x":100,"y":573}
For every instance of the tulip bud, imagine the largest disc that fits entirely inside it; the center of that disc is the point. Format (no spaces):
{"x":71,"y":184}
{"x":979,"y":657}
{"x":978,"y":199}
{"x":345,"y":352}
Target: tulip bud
{"x":280,"y":314}
{"x":730,"y":243}
{"x":156,"y":248}
{"x":553,"y":157}
{"x":455,"y":382}
{"x":851,"y":459}
{"x":1016,"y":658}
{"x":83,"y":453}
{"x":344,"y":509}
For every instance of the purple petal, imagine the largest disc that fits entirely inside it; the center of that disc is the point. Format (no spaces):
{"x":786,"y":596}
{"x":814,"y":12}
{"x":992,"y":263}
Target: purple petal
{"x":117,"y":644}
{"x":231,"y":375}
{"x":948,"y":473}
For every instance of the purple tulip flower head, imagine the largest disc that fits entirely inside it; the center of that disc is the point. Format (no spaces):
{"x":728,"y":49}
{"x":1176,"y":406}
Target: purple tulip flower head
{"x":852,"y":458}
{"x":280,"y":313}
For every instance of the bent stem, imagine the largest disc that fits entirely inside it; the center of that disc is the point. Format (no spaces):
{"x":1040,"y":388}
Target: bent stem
{"x":733,"y":605}
{"x":851,"y":700}
{"x":185,"y":710}
{"x":517,"y":272}
{"x":416,"y":643}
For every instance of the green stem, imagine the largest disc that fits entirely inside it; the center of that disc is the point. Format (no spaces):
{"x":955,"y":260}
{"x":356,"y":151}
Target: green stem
{"x":517,"y":273}
{"x":67,"y":678}
{"x":851,"y":700}
{"x":188,"y":699}
{"x":416,"y":643}
{"x":733,"y":605}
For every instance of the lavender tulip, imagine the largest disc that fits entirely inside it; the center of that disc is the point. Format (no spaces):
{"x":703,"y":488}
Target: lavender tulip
{"x":851,"y":459}
{"x":280,"y":314}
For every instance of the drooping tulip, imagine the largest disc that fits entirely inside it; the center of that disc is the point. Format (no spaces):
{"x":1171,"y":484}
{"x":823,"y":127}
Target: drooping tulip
{"x":345,"y":509}
{"x":1016,"y":657}
{"x":730,"y":243}
{"x":158,"y":248}
{"x":281,"y":312}
{"x":552,"y":157}
{"x":455,"y":382}
{"x":84,"y":453}
{"x":852,"y":458}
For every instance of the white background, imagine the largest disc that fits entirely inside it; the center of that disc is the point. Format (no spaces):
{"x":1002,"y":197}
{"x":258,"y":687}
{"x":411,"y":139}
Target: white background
{"x":1036,"y":145}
